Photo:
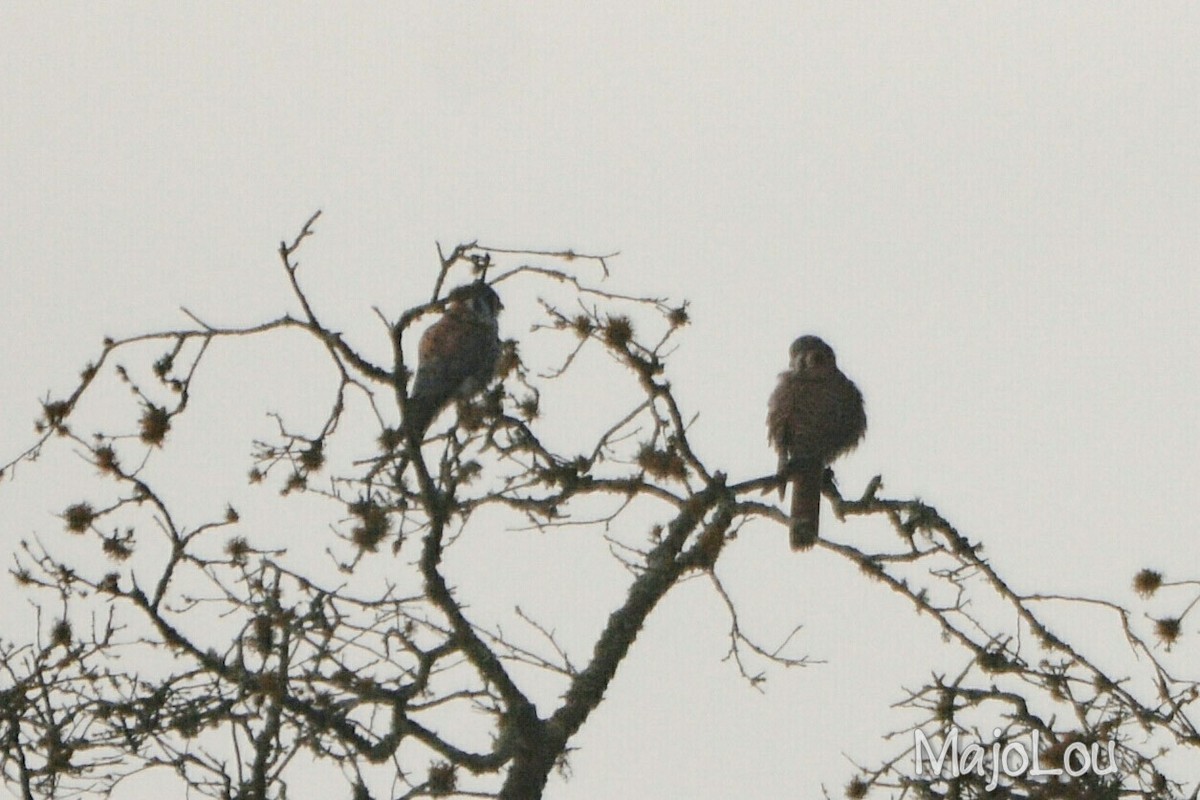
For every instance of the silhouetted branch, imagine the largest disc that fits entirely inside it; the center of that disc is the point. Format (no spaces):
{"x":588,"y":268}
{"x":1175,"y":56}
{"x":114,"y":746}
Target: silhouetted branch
{"x":191,"y":645}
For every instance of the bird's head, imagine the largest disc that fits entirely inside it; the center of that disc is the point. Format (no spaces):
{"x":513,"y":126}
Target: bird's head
{"x":811,"y":356}
{"x":478,"y":299}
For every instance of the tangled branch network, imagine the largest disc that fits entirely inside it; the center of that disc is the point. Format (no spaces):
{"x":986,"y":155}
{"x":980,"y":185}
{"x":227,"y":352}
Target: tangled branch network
{"x":237,"y":653}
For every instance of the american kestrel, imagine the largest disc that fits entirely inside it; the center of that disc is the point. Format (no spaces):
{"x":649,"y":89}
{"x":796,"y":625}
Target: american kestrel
{"x":457,"y":355}
{"x":815,"y":414}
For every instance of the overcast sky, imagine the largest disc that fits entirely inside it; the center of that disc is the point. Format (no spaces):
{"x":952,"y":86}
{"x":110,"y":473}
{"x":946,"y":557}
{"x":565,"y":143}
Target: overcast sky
{"x":989,"y":210}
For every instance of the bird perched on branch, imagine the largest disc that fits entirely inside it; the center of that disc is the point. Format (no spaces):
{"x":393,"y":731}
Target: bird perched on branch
{"x":457,"y":355}
{"x":815,"y":414}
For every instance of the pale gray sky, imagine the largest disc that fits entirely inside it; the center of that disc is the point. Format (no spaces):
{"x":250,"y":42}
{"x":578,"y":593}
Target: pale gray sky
{"x":989,"y":210}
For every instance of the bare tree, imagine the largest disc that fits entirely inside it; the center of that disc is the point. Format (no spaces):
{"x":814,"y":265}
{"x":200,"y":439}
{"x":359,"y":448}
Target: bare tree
{"x":197,"y":649}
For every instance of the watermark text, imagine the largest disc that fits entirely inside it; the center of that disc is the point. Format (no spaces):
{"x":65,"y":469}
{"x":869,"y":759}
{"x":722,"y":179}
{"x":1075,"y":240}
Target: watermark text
{"x":1012,"y":759}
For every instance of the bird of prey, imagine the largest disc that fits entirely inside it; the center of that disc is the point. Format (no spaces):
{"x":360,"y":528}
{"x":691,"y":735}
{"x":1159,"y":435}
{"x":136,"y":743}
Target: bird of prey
{"x":815,"y":414}
{"x":457,"y":355}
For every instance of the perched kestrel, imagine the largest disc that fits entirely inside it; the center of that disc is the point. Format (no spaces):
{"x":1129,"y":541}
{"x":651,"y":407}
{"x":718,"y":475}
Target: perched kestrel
{"x":457,"y":354}
{"x":815,"y":414}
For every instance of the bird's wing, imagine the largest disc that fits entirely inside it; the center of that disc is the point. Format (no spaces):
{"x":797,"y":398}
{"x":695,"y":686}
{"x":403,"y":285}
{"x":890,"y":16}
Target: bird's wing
{"x":455,"y":356}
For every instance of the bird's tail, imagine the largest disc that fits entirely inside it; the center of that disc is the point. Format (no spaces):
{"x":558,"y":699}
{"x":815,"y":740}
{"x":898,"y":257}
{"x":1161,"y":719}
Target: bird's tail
{"x":418,"y":415}
{"x":806,"y":507}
